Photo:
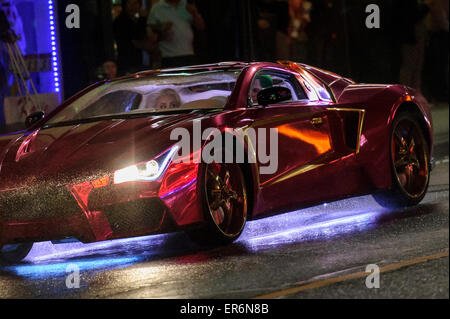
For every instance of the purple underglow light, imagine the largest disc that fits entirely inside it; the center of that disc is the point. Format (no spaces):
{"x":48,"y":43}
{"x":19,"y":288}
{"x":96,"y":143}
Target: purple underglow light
{"x":46,"y":251}
{"x":51,"y":16}
{"x":318,"y":222}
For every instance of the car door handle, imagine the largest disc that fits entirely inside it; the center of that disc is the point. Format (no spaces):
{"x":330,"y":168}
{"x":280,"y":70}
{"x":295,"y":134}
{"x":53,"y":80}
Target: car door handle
{"x":317,"y":121}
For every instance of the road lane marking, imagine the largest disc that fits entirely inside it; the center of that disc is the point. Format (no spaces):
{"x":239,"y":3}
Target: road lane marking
{"x":361,"y":274}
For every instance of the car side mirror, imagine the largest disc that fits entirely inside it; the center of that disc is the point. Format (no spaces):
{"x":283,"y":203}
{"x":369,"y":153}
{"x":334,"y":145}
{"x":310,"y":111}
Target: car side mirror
{"x":33,"y":118}
{"x":274,"y":95}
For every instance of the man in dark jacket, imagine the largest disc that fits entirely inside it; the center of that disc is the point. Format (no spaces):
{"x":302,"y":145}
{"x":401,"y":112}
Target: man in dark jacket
{"x":130,"y":32}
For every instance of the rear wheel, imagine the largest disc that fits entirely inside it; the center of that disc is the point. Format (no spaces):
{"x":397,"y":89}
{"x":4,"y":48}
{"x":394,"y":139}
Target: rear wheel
{"x":14,"y":253}
{"x":409,"y":163}
{"x":225,"y":204}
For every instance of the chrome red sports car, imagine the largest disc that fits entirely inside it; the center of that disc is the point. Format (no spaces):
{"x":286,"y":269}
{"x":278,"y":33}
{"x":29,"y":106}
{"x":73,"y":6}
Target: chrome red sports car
{"x":102,"y":165}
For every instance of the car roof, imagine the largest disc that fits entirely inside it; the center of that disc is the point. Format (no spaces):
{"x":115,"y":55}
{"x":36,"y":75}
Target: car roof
{"x":206,"y":67}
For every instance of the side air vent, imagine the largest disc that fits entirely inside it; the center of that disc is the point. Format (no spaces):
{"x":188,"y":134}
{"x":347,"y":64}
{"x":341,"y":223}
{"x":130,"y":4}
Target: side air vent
{"x":351,"y":127}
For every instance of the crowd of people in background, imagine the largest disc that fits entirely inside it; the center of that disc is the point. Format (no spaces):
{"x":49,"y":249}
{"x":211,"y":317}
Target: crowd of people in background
{"x":158,"y":37}
{"x":411,"y":47}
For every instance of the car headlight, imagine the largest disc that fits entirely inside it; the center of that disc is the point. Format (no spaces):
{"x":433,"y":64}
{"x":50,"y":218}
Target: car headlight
{"x":146,"y":171}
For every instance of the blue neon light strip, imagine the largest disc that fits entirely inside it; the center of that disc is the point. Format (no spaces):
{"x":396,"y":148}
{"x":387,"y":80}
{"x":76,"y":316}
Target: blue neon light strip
{"x":54,"y":46}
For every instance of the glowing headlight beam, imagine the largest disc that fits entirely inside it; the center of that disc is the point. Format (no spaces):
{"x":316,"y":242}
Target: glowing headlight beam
{"x":126,"y":174}
{"x":148,"y":171}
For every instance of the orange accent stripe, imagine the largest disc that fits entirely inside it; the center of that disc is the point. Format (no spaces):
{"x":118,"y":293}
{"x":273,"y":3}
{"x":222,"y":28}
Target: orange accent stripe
{"x":360,"y":274}
{"x":319,"y":140}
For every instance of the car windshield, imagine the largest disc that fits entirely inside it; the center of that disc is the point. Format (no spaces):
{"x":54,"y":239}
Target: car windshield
{"x":164,"y":92}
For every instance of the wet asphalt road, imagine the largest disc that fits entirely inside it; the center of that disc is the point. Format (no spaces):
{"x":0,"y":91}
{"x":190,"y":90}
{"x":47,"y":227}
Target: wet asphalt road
{"x":319,"y":252}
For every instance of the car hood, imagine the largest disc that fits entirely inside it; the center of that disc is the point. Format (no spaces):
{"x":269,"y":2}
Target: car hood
{"x":84,"y":151}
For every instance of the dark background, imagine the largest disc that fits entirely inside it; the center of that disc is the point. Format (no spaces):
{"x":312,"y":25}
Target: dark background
{"x":338,"y":39}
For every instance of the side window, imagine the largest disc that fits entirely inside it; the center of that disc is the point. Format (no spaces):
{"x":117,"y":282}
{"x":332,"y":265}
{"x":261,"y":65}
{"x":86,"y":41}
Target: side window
{"x":269,"y":78}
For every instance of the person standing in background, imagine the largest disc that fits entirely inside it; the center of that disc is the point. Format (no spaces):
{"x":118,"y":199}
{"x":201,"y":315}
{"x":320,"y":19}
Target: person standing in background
{"x":266,"y":31}
{"x":299,"y":18}
{"x":325,"y":33}
{"x":172,"y":20}
{"x":273,"y":30}
{"x":116,"y":10}
{"x":107,"y":71}
{"x":282,"y":36}
{"x":110,"y":69}
{"x":130,"y":33}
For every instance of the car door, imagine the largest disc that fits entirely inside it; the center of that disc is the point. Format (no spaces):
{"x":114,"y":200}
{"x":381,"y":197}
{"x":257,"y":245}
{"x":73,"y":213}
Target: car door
{"x":305,"y":138}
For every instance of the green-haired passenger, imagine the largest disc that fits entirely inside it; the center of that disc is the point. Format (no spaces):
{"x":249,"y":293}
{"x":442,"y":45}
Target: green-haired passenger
{"x":261,"y":82}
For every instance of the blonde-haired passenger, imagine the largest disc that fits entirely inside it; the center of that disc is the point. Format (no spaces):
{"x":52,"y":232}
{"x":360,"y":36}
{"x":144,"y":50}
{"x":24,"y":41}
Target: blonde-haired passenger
{"x":168,"y":99}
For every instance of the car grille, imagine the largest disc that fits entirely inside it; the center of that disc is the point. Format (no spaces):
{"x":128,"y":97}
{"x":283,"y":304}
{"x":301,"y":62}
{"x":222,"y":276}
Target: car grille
{"x":37,"y":202}
{"x":141,"y":214}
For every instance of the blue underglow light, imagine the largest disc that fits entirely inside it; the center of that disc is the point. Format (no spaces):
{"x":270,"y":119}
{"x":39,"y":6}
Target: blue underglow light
{"x":36,"y":271}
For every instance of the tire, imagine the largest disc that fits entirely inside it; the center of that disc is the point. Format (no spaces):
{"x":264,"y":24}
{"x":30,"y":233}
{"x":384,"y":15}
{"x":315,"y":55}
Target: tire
{"x":410,"y":164}
{"x":13,"y":254}
{"x":224,"y":201}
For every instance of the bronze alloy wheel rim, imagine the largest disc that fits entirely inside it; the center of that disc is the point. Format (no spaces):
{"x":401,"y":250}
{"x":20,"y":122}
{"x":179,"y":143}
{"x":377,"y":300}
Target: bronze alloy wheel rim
{"x":226,"y":197}
{"x":410,"y":158}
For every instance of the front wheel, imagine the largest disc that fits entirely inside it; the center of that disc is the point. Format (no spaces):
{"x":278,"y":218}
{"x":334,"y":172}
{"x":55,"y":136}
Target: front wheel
{"x":14,"y":253}
{"x":224,"y":197}
{"x":409,"y":163}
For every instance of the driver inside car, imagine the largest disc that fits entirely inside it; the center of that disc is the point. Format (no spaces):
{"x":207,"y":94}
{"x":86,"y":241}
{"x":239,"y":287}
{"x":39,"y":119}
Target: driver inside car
{"x":261,"y":82}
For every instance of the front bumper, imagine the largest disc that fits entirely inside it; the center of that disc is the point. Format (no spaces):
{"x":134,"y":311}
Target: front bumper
{"x":100,"y":210}
{"x":84,"y":212}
